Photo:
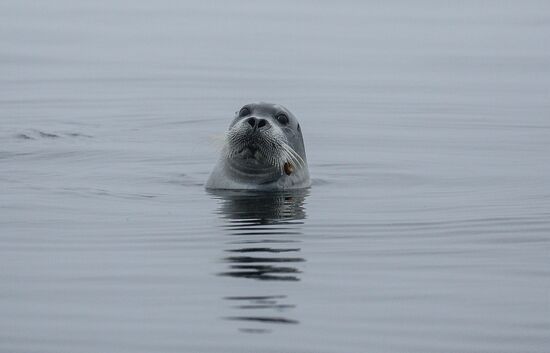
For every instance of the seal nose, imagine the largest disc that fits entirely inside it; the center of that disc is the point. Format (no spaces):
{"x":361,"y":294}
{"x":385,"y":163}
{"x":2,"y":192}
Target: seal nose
{"x":256,"y":123}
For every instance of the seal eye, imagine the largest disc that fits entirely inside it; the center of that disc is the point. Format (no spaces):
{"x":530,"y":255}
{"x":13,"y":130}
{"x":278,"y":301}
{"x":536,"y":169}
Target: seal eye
{"x":282,"y":119}
{"x":244,"y":111}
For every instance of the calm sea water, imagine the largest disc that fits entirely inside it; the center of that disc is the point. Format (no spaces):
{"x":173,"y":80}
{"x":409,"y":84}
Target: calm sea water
{"x":427,"y":128}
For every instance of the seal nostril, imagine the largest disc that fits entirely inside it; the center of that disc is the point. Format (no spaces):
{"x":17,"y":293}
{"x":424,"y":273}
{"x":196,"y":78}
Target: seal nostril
{"x":261,"y":123}
{"x":251,"y":121}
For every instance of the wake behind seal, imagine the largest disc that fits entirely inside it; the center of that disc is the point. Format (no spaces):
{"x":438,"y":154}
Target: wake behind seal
{"x":263,"y":151}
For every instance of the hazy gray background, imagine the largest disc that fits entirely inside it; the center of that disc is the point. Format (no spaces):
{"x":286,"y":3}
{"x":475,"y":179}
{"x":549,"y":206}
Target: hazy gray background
{"x":427,"y":127}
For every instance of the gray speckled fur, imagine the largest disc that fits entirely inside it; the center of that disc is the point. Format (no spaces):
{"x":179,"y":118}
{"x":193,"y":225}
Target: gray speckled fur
{"x":224,"y":176}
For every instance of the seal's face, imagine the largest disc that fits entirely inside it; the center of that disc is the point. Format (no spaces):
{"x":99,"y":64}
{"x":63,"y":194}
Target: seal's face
{"x":265,"y":139}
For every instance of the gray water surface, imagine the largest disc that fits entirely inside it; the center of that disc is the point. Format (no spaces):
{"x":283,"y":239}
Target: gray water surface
{"x":427,"y":128}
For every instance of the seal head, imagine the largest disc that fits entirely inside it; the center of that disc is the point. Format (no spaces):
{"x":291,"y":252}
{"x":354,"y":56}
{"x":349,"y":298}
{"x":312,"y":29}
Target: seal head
{"x":263,"y":150}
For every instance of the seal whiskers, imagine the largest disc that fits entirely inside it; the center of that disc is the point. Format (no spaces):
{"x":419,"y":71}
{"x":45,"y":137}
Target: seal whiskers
{"x":293,"y":156}
{"x":274,"y":151}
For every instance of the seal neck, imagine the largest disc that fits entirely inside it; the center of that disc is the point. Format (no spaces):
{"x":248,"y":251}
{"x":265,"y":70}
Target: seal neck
{"x":252,"y":171}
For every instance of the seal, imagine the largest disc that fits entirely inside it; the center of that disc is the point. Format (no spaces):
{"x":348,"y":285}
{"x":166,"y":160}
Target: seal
{"x":263,"y":150}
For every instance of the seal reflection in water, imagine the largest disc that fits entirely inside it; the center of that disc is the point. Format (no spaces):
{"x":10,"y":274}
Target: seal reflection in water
{"x":263,"y":245}
{"x":264,"y":150}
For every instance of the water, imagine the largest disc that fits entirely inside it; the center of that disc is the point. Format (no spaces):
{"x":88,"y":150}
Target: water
{"x":427,"y":129}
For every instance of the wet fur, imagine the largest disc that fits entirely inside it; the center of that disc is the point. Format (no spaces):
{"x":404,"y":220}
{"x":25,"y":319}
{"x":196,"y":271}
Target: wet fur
{"x":260,"y":159}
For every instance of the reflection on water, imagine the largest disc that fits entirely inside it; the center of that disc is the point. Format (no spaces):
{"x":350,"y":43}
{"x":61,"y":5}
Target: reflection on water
{"x":264,"y":244}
